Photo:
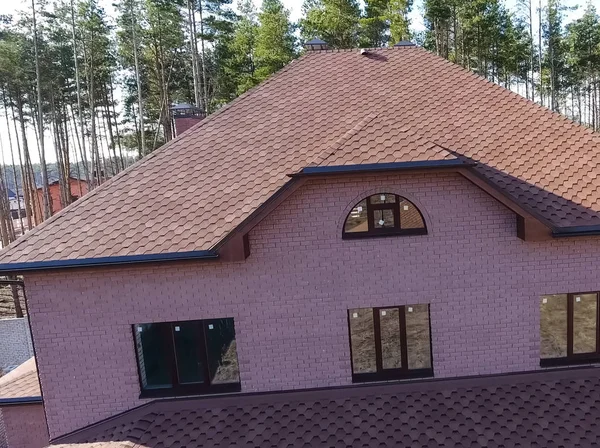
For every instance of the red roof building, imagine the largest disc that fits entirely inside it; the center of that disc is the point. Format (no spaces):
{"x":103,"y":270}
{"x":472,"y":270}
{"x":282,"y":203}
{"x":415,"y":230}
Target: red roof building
{"x":79,"y":187}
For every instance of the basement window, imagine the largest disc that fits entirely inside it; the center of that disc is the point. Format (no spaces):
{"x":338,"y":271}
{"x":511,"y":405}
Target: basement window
{"x":569,"y":331}
{"x":187,"y":357}
{"x":384,"y":214}
{"x":390,"y":343}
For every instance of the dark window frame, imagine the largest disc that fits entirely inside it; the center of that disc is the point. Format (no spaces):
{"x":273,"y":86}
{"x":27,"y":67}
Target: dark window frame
{"x":373,"y":232}
{"x":576,"y":358}
{"x":179,"y":389}
{"x":391,"y":374}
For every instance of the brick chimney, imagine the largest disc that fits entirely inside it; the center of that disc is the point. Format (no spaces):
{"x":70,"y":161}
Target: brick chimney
{"x":185,"y":116}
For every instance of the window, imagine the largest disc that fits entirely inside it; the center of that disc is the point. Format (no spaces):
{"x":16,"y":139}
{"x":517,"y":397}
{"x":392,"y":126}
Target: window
{"x":390,"y":343}
{"x":569,"y":331}
{"x":384,"y":214}
{"x":186,"y":358}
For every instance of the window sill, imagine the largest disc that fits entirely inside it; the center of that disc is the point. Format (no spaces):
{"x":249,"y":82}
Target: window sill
{"x":393,"y":232}
{"x":392,"y":375}
{"x":571,"y":361}
{"x":191,"y":391}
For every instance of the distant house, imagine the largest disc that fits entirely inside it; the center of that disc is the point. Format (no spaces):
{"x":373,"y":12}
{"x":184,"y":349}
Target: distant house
{"x":372,"y":248}
{"x":22,"y":419}
{"x":79,"y":187}
{"x":14,"y":203}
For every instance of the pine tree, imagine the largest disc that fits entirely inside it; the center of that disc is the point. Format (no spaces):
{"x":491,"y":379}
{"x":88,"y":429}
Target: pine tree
{"x":242,"y":64}
{"x":129,"y":38}
{"x":334,"y":21}
{"x":555,"y":58}
{"x":275,"y":40}
{"x":166,"y":56}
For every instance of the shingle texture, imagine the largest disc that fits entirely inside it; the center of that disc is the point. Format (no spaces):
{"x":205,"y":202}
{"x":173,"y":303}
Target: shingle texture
{"x":328,"y":108}
{"x":22,"y":382}
{"x":544,"y":409}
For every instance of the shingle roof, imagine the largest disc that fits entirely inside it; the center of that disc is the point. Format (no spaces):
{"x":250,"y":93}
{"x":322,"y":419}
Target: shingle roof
{"x":20,"y":383}
{"x":543,"y":409}
{"x":329,"y":107}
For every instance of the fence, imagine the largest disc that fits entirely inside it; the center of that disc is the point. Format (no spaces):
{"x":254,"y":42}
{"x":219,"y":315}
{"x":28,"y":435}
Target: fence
{"x":15,"y":343}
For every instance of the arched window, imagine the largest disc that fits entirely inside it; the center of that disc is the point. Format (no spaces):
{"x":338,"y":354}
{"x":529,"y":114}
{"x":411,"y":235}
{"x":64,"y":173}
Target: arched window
{"x":384,"y":214}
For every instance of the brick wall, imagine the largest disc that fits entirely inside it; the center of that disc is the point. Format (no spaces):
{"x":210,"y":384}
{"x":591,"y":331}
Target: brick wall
{"x":182,"y":124}
{"x":290,"y":297}
{"x":24,"y":426}
{"x":15,"y":346}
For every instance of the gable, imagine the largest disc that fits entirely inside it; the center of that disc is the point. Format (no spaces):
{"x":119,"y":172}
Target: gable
{"x":334,"y":109}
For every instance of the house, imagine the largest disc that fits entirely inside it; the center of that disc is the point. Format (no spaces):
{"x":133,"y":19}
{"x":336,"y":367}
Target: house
{"x":378,"y":248}
{"x":16,"y":203}
{"x":79,"y":187}
{"x":22,"y":420}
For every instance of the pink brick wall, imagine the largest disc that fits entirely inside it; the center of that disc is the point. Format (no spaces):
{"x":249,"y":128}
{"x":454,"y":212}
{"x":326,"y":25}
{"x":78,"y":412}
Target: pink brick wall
{"x":25,"y":426}
{"x":290,"y":298}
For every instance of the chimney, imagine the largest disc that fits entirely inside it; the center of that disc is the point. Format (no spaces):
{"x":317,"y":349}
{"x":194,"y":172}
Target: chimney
{"x":316,"y":45}
{"x":185,"y":116}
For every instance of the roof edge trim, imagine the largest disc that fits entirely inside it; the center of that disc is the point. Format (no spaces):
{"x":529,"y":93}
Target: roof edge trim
{"x":374,"y":167}
{"x":20,"y":400}
{"x":107,"y":261}
{"x":562,"y":232}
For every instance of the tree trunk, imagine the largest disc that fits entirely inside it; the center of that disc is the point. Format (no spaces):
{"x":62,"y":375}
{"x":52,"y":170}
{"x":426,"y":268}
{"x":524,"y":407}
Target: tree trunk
{"x":204,"y":80}
{"x":138,"y":80}
{"x":29,"y":176}
{"x":532,"y":50}
{"x":112,"y":98}
{"x":540,"y":54}
{"x":194,"y":51}
{"x":14,"y":169}
{"x":82,"y":149}
{"x":44,"y":169}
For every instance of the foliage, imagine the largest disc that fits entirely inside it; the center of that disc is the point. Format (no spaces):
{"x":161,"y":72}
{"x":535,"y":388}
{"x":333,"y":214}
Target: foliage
{"x":335,"y":21}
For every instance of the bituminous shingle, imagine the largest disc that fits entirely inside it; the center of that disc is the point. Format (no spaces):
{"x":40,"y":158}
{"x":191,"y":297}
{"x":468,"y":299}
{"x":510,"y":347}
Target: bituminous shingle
{"x":487,"y":411}
{"x":328,"y":108}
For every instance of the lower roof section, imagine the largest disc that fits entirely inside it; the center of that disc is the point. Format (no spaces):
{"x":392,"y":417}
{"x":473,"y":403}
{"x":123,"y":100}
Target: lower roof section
{"x":539,"y":409}
{"x":21,"y":385}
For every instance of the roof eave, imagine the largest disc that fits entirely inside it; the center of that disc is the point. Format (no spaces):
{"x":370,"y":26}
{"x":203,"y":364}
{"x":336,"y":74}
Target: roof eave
{"x":379,"y":167}
{"x":20,"y":400}
{"x":15,"y":268}
{"x":562,"y":232}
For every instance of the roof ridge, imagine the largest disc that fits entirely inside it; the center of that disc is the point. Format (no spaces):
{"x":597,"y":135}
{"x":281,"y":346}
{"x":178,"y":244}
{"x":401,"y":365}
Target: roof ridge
{"x":359,"y":49}
{"x":337,"y":145}
{"x":22,"y":370}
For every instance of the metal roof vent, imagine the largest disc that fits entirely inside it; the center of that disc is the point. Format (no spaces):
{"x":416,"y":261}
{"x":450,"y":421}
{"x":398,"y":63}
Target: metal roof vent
{"x":315,"y":45}
{"x":405,"y":43}
{"x":186,"y":110}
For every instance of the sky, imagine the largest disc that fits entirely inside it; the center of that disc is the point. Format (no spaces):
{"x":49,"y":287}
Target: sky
{"x":295,"y":7}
